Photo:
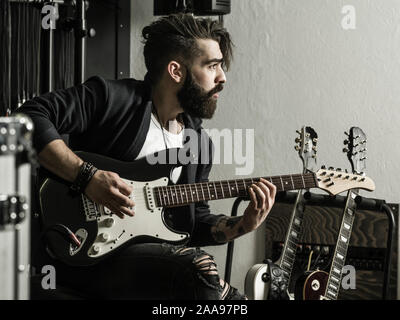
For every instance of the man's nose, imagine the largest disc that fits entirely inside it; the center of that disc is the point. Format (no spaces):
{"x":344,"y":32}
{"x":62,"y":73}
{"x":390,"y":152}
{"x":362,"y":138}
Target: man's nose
{"x":221,"y":78}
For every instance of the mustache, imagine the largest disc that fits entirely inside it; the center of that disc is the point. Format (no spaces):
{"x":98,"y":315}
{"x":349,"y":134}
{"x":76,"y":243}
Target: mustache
{"x":219,"y":87}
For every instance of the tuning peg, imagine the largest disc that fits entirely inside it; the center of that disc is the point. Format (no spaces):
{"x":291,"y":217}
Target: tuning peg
{"x":298,"y":132}
{"x":346,"y":141}
{"x":297,"y":140}
{"x":338,"y":169}
{"x":346,"y":134}
{"x":345,"y":150}
{"x":363,"y":150}
{"x":314,"y":148}
{"x":315,"y":139}
{"x":297,"y":148}
{"x":345,"y":170}
{"x":323,"y":167}
{"x":331,"y":168}
{"x":363,"y":158}
{"x":314,"y":156}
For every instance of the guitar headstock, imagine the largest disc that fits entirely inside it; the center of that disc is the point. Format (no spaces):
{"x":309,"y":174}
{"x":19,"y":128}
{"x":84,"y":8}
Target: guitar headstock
{"x":306,"y":145}
{"x":337,"y":181}
{"x":356,"y":149}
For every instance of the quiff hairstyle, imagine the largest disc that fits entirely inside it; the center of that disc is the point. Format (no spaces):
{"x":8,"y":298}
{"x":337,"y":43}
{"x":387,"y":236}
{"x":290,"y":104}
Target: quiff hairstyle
{"x":174,"y":37}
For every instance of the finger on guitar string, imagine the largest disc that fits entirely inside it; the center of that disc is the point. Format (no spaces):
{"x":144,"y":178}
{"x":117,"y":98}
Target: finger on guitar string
{"x":261,"y":197}
{"x":124,"y":188}
{"x":121,"y":208}
{"x":122,"y":199}
{"x":253,"y":198}
{"x":271,"y":187}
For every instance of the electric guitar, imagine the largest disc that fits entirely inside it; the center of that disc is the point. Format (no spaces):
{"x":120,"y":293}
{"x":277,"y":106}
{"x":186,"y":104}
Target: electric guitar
{"x":270,"y":281}
{"x":320,"y":285}
{"x":95,"y":232}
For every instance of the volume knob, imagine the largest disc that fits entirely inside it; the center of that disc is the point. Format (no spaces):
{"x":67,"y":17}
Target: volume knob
{"x":109,"y":222}
{"x":104,"y":237}
{"x":96,"y":249}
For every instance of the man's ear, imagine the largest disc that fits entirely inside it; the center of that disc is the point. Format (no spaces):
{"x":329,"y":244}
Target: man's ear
{"x":176,"y":71}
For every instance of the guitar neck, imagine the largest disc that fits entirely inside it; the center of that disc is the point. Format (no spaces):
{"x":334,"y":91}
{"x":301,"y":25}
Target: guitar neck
{"x":292,"y":237}
{"x":182,"y":194}
{"x":342,"y":244}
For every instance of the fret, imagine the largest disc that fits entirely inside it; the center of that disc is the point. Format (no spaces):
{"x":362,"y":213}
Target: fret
{"x":244,"y":185}
{"x":304,"y":183}
{"x":209,"y":193}
{"x":197,"y":191}
{"x":229,"y":188}
{"x":346,"y":233}
{"x":202,"y":192}
{"x":176,"y":194}
{"x":171,"y":194}
{"x":185,"y":193}
{"x":215,"y":189}
{"x":166,"y":191}
{"x":191,"y":194}
{"x":292,"y":181}
{"x":222,"y":189}
{"x":237,"y":188}
{"x":157,"y":192}
{"x":283,"y":188}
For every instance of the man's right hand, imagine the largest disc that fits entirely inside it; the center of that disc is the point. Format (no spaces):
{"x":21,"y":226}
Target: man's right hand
{"x":108,"y":189}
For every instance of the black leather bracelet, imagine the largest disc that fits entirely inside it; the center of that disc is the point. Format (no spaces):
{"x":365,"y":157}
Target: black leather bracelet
{"x":86,"y":172}
{"x":89,"y":177}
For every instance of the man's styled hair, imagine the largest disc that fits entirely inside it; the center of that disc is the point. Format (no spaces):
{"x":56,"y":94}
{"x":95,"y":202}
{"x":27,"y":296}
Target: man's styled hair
{"x":174,"y":38}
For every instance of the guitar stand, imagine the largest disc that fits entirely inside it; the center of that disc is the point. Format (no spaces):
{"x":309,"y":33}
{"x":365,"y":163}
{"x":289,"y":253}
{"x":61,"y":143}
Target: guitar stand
{"x":336,"y":202}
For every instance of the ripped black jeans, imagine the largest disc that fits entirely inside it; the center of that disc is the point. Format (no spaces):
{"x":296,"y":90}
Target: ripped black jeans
{"x":150,"y":272}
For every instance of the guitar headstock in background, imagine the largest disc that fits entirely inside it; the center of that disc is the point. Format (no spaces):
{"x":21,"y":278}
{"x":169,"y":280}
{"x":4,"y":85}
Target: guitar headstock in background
{"x":307,"y":147}
{"x":356,"y":149}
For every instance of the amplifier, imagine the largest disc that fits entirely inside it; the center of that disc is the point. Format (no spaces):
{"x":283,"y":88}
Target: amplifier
{"x":320,"y":226}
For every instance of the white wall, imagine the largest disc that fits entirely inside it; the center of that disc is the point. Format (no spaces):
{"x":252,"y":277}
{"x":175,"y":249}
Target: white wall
{"x":295,"y":65}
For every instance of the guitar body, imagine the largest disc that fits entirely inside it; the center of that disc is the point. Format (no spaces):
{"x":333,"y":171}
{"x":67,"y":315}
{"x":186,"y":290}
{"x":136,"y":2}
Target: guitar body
{"x":100,"y":232}
{"x":257,"y":282}
{"x":311,"y":285}
{"x":266,"y":281}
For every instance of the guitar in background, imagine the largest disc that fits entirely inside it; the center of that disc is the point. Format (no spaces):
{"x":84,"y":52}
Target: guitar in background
{"x":320,"y":285}
{"x":270,"y":281}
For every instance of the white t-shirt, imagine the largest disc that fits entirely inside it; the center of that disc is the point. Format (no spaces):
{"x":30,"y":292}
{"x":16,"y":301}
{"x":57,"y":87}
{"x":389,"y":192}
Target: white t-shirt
{"x":155,"y":142}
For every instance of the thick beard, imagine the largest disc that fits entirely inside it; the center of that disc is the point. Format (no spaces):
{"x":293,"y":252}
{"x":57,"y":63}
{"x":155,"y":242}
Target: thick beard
{"x":195,"y":101}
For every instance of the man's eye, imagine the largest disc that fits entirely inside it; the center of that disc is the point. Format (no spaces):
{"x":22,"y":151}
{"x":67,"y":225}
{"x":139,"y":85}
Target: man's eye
{"x":213,"y":66}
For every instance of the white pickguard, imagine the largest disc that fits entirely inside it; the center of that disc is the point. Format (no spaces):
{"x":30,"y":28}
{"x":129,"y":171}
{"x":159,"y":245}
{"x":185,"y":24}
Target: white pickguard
{"x":146,"y":222}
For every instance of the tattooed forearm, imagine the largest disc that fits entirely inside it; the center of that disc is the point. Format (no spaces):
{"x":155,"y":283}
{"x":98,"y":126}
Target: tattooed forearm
{"x":227,"y":229}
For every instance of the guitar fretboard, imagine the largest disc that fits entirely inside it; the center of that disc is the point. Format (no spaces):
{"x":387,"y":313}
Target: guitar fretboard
{"x":342,"y":244}
{"x":292,"y":237}
{"x":182,"y":194}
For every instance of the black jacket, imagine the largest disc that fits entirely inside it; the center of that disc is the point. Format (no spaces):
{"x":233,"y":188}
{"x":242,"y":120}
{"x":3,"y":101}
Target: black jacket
{"x":111,"y":118}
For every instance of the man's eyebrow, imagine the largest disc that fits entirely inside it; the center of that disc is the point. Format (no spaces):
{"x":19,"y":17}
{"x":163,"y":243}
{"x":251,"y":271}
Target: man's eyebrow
{"x":213,"y":60}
